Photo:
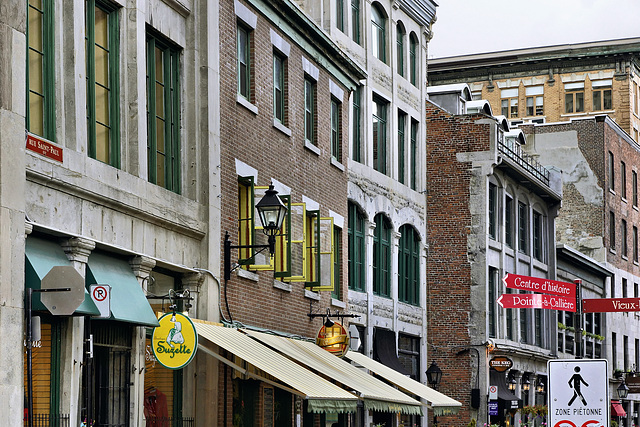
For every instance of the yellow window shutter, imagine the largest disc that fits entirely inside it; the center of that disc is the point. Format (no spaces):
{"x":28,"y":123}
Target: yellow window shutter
{"x":296,"y":243}
{"x":245,"y":219}
{"x":261,"y":259}
{"x":326,"y":254}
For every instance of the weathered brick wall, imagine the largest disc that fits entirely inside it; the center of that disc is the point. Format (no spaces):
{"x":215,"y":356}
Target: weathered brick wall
{"x":254,"y":140}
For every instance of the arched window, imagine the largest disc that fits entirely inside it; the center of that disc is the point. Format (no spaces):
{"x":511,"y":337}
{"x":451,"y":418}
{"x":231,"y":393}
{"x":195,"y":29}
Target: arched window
{"x":413,"y":59}
{"x":378,"y":33}
{"x":382,"y":256}
{"x":400,"y":36}
{"x":356,"y":248}
{"x":409,"y":265}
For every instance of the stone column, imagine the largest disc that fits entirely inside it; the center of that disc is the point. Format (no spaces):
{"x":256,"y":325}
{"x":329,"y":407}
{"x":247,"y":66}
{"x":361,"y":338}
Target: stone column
{"x":141,"y":267}
{"x":72,"y":351}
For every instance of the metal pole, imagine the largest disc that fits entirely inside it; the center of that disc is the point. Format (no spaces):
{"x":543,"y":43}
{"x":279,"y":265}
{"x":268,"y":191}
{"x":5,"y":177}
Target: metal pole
{"x":29,"y":360}
{"x":578,"y":317}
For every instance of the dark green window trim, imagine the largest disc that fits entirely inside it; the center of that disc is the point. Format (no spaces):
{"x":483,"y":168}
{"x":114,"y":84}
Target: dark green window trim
{"x":337,"y":263}
{"x":44,"y":54}
{"x":163,"y":121}
{"x":355,"y":20}
{"x":413,"y":64}
{"x":402,"y":161}
{"x":382,"y":257}
{"x":313,"y":247}
{"x":286,"y":272}
{"x":380,"y":135}
{"x":357,"y":124}
{"x":112,"y":156}
{"x":336,"y":133}
{"x":414,"y":153}
{"x":310,"y":111}
{"x":278,"y":88}
{"x":244,"y":61}
{"x":400,"y":34}
{"x":409,"y":266}
{"x":356,"y":248}
{"x":340,"y":15}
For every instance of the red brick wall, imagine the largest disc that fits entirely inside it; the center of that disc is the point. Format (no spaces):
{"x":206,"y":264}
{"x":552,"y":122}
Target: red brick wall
{"x":253,"y":139}
{"x":448,"y":266}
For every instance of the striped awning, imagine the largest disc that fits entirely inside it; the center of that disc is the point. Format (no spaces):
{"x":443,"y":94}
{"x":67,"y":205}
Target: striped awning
{"x":440,"y":403}
{"x":321,"y":395}
{"x":377,"y":395}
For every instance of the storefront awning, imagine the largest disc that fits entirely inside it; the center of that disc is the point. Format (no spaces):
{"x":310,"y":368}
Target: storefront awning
{"x":506,"y":399}
{"x":321,"y":395}
{"x":440,"y":403}
{"x":617,"y":410}
{"x":128,"y":302}
{"x":377,"y":395}
{"x":41,"y":256}
{"x":384,"y":343}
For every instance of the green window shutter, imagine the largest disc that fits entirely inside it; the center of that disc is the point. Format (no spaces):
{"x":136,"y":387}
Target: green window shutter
{"x":296,"y":251}
{"x":381,"y":257}
{"x":356,"y":248}
{"x":325,"y":256}
{"x":402,"y":161}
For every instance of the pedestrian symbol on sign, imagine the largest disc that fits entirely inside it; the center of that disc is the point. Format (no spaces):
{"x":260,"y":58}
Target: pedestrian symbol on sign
{"x":574,"y":383}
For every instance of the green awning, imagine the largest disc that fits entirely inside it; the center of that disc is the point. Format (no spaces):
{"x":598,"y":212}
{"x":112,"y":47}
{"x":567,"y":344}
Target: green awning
{"x":128,"y":302}
{"x":40,"y":256}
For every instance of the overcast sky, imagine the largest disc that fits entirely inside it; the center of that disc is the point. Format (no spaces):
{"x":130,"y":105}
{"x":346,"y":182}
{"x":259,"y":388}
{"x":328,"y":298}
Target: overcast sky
{"x":474,"y":26}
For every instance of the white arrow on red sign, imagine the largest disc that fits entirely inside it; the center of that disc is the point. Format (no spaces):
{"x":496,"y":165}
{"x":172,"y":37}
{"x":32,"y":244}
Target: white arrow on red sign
{"x":537,"y":301}
{"x":538,"y":284}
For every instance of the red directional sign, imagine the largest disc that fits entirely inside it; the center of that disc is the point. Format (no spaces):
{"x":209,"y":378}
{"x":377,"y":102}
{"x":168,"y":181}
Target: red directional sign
{"x":537,"y":301}
{"x":537,"y":284}
{"x":604,"y":305}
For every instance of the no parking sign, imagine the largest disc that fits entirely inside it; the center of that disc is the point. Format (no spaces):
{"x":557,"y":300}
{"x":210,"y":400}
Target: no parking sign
{"x":101,"y":296}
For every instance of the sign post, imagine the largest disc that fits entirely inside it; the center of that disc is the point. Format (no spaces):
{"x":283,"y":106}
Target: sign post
{"x":578,"y":393}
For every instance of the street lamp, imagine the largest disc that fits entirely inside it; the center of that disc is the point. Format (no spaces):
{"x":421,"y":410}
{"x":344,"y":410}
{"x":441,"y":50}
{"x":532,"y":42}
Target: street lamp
{"x":511,"y":382}
{"x":271,"y":211}
{"x":526,"y":384}
{"x":434,"y":375}
{"x":540,"y":386}
{"x":622,"y":390}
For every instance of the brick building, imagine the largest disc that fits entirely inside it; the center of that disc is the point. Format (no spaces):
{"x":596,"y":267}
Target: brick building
{"x":600,"y":219}
{"x":553,"y":83}
{"x":491,"y":209}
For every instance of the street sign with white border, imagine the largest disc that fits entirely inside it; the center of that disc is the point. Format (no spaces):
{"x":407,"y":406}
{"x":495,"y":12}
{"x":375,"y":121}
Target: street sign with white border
{"x":578,"y":393}
{"x":493,"y":392}
{"x":101,"y":296}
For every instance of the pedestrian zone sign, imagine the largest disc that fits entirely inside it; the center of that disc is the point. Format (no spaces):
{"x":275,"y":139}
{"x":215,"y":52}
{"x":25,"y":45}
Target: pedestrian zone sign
{"x":578,"y":393}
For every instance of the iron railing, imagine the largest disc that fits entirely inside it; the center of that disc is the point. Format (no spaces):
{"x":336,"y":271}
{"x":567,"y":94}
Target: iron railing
{"x":48,"y":420}
{"x":514,"y":151}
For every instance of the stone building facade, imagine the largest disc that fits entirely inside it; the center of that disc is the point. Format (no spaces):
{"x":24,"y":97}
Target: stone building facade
{"x":553,"y":83}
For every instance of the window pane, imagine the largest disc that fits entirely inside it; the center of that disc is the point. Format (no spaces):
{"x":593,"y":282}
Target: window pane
{"x":35,"y":28}
{"x":36,"y":72}
{"x":102,"y":143}
{"x":607,"y":99}
{"x":101,"y":28}
{"x":597,"y":104}
{"x":579,"y":102}
{"x":568,"y":103}
{"x":102,"y":105}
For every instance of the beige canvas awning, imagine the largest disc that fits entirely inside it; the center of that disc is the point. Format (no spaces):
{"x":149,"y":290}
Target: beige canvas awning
{"x":440,"y":403}
{"x":377,"y":395}
{"x":322,"y":395}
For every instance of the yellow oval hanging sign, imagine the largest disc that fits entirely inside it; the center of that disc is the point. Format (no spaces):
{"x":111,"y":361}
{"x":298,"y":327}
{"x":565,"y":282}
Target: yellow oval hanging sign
{"x":175,"y":341}
{"x":334,"y":339}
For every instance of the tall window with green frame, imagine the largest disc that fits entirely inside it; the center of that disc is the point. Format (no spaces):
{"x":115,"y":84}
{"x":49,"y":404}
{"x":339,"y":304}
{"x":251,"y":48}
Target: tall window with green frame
{"x":40,"y":75}
{"x":243,"y":46}
{"x":400,"y":36}
{"x":413,"y":59}
{"x":402,"y":161}
{"x":278,"y":88}
{"x":163,"y":114}
{"x":336,"y":129}
{"x":310,"y":111}
{"x":409,"y":265}
{"x":357,"y":125}
{"x":382,"y":256}
{"x":413,"y":157}
{"x":380,"y":135}
{"x":355,"y":20}
{"x":103,"y":98}
{"x":336,"y":293}
{"x":356,"y":248}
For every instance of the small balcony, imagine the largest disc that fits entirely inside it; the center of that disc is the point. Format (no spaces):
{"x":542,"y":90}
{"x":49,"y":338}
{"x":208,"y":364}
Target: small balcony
{"x":513,"y":151}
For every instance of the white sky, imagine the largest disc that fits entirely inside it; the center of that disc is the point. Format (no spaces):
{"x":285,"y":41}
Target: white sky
{"x":474,"y":26}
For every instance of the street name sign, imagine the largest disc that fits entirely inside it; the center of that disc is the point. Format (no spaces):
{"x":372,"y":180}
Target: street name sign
{"x":578,"y":393}
{"x":610,"y":305}
{"x":537,"y":284}
{"x":537,"y":301}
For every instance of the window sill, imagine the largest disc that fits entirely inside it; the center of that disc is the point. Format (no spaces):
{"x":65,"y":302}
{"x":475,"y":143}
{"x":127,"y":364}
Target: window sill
{"x":624,"y":199}
{"x":540,"y":265}
{"x":337,"y":164}
{"x":248,"y":105}
{"x":524,"y":257}
{"x":612,"y":192}
{"x":287,"y":287}
{"x":612,"y":251}
{"x":635,"y":207}
{"x":311,"y":295}
{"x":494,"y":244}
{"x":282,"y":128}
{"x":309,"y":146}
{"x":338,"y":303}
{"x":245,"y":274}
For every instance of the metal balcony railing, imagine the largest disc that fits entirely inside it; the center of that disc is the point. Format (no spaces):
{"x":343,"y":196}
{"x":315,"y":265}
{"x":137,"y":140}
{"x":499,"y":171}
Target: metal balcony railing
{"x":48,"y":420}
{"x":513,"y":150}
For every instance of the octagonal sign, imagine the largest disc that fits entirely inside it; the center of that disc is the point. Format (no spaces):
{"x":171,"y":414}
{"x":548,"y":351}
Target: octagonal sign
{"x":62,"y":303}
